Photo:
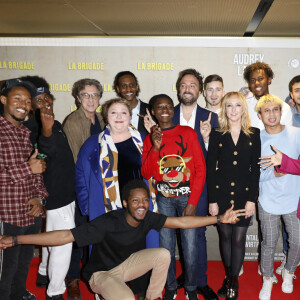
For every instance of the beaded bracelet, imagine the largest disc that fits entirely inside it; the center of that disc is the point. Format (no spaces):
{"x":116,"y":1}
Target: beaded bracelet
{"x":14,"y":240}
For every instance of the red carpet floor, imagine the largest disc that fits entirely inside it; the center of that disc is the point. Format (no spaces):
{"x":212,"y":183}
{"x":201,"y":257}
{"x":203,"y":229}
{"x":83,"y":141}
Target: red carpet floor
{"x":250,"y":283}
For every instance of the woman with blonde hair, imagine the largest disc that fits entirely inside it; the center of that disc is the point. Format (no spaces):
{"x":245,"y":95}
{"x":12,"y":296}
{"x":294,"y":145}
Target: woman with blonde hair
{"x":232,"y":178}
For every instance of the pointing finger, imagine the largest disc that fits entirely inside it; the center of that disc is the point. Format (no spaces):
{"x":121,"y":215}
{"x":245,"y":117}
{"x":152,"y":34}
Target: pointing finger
{"x":209,"y":117}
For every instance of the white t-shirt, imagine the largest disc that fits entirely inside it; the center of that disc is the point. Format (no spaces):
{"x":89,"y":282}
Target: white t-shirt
{"x":135,"y":117}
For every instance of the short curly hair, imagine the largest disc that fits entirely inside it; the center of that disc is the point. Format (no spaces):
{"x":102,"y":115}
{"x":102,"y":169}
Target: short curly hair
{"x":132,"y":185}
{"x":193,"y":72}
{"x":257,"y":66}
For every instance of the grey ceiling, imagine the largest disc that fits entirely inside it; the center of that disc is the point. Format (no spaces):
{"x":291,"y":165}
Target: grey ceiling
{"x":278,"y":18}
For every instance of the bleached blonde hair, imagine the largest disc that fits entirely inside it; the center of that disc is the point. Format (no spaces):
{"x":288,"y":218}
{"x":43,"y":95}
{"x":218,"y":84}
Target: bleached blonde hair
{"x":268,"y":99}
{"x":224,"y":125}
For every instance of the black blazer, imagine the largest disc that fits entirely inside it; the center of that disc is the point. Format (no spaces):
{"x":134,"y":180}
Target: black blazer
{"x":232,"y":170}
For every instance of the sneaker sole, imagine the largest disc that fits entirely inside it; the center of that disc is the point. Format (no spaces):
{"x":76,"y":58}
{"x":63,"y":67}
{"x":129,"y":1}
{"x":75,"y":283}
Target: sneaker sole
{"x":289,"y":292}
{"x":286,"y":292}
{"x":266,"y":297}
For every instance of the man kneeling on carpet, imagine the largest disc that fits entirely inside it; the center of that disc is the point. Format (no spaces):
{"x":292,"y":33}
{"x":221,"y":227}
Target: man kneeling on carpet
{"x":119,"y":254}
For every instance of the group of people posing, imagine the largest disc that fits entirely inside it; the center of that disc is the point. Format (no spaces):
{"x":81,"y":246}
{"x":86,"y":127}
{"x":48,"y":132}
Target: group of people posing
{"x":119,"y":184}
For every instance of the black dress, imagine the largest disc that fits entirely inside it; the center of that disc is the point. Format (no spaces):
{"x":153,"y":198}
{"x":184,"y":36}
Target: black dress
{"x":232,"y":170}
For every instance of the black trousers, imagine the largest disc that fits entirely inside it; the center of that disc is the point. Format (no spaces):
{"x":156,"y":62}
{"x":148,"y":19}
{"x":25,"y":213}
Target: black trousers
{"x":15,"y":261}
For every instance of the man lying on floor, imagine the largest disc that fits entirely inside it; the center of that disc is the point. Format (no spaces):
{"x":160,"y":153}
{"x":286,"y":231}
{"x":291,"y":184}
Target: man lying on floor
{"x":119,"y":254}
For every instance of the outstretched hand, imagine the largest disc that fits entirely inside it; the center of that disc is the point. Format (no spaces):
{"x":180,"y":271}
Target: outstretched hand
{"x":148,"y":121}
{"x":205,"y":128}
{"x":272,"y":160}
{"x":231,"y":216}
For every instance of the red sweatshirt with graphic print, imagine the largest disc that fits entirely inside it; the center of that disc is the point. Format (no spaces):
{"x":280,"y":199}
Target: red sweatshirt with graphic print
{"x":179,"y":166}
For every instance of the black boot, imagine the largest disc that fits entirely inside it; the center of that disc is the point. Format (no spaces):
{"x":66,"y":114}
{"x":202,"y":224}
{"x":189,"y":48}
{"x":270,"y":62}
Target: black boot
{"x":222,"y":292}
{"x":233,"y":288}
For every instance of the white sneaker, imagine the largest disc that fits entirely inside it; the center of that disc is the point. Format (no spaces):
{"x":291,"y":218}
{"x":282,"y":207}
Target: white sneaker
{"x":241,"y":271}
{"x":265,"y":292}
{"x":287,"y":284}
{"x":280,"y":268}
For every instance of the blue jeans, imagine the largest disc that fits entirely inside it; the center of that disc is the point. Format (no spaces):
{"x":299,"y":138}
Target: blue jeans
{"x":173,"y":207}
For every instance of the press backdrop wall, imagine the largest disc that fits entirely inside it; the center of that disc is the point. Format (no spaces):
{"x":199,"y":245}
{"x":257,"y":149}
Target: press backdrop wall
{"x":156,"y":63}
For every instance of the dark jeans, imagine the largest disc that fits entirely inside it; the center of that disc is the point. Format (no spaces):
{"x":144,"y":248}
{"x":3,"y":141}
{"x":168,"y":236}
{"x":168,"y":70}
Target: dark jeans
{"x":15,"y":262}
{"x":202,"y":210}
{"x":174,"y":207}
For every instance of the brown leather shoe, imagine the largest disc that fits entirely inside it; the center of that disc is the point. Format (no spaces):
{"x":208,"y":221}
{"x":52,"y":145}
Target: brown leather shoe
{"x":73,"y":290}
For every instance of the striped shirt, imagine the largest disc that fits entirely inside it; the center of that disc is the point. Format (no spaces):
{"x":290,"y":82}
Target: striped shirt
{"x":17,"y":183}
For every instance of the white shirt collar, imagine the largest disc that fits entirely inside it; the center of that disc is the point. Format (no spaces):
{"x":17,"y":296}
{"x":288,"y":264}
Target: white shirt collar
{"x":192,"y":120}
{"x":135,"y":112}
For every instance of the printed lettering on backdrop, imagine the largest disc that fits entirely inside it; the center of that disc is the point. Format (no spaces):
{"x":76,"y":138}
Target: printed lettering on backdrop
{"x":156,"y":63}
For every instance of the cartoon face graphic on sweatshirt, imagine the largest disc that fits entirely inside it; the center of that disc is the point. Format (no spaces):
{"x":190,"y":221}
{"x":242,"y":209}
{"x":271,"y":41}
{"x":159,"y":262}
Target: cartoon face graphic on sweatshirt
{"x":174,"y":175}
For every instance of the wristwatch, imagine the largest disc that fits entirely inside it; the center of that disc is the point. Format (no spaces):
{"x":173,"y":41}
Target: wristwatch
{"x":218,"y":219}
{"x":43,"y":201}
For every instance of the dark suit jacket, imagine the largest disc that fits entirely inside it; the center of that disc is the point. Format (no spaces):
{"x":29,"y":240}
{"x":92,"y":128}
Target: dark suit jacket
{"x":141,"y":127}
{"x":201,"y":115}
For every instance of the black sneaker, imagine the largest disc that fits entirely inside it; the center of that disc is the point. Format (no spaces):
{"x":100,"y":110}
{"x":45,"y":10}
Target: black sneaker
{"x":191,"y":295}
{"x":28,"y":296}
{"x":170,"y":295}
{"x":42,"y":281}
{"x":56,"y":297}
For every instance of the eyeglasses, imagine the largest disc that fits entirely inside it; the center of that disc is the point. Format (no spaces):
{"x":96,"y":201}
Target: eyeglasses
{"x":88,"y":96}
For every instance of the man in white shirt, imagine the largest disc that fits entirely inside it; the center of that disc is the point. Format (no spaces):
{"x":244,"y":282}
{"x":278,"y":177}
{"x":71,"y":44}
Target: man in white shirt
{"x":127,"y":86}
{"x":259,"y":76}
{"x":189,"y":87}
